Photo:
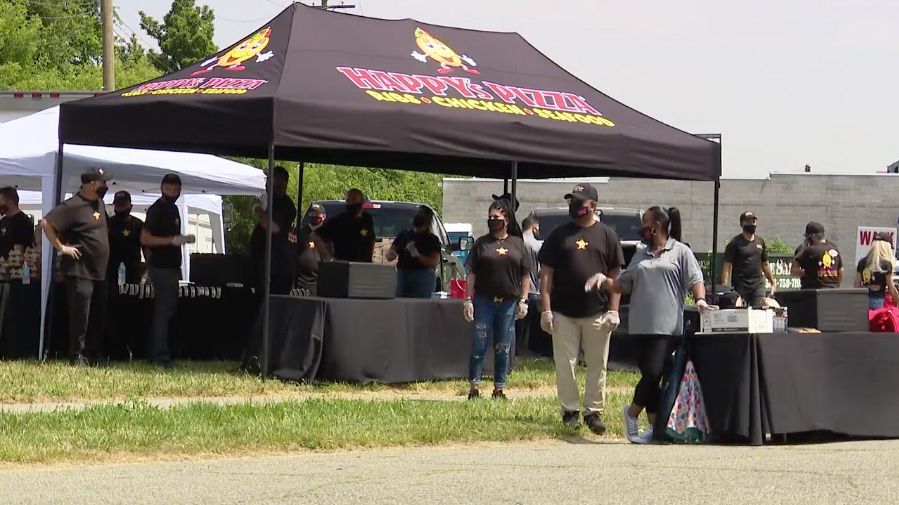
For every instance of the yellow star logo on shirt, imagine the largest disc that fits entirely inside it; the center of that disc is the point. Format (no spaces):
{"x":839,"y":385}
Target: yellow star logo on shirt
{"x":502,"y":251}
{"x":126,"y":233}
{"x":363,"y":232}
{"x":96,"y":216}
{"x":582,"y":244}
{"x":311,"y":245}
{"x":497,"y":299}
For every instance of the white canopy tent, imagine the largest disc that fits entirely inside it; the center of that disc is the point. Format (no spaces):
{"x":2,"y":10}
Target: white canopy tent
{"x":28,"y":151}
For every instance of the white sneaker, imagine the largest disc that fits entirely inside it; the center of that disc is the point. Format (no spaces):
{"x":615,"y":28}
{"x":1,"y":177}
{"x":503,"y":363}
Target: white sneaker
{"x":644,"y":438}
{"x":630,"y":425}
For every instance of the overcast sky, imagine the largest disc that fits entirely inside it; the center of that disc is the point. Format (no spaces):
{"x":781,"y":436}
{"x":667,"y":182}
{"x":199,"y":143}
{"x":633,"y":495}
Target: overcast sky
{"x":787,"y":83}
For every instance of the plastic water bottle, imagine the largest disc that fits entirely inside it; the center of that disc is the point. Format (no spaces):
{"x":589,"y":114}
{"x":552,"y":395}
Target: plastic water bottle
{"x":26,"y":274}
{"x":121,"y":273}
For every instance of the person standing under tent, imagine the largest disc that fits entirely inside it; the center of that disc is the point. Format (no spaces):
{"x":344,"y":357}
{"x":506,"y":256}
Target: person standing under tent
{"x":284,"y":254}
{"x":352,"y":233}
{"x":746,"y":263}
{"x":817,"y":261}
{"x":875,"y":272}
{"x":496,"y":295}
{"x":16,"y":228}
{"x":417,"y":252}
{"x":658,"y":278}
{"x":124,"y":240}
{"x":309,"y":257}
{"x":161,"y":234}
{"x":531,"y":231}
{"x":77,"y":229}
{"x":575,"y":317}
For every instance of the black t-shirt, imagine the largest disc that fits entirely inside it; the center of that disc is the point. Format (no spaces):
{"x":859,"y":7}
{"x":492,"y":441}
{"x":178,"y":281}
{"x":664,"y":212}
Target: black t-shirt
{"x":498,"y":266}
{"x":16,"y":229}
{"x":82,"y":223}
{"x":309,"y":258}
{"x":284,"y":212}
{"x":124,"y":247}
{"x":822,"y":263}
{"x":575,"y":254}
{"x":353,"y":238}
{"x":427,"y":244}
{"x":875,"y":281}
{"x":747,"y":258}
{"x":163,"y":220}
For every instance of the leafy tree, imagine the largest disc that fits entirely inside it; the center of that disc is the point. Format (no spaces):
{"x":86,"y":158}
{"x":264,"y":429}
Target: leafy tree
{"x":184,"y":35}
{"x":71,"y":34}
{"x":330,"y":182}
{"x":777,"y":245}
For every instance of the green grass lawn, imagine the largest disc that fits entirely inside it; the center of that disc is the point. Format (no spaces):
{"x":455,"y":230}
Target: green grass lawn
{"x":30,"y":382}
{"x":135,"y":429}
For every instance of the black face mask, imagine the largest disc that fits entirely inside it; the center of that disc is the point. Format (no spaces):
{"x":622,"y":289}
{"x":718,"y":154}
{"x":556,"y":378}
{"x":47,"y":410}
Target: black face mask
{"x":169,"y":199}
{"x":749,"y":228}
{"x":420,"y":221}
{"x":122,"y":213}
{"x":3,"y":210}
{"x":576,"y":209}
{"x":101,"y":191}
{"x":495,"y":225}
{"x":353,"y":208}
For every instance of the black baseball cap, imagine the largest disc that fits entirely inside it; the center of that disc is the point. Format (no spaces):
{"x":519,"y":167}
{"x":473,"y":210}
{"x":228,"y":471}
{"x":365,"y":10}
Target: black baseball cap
{"x":93,"y":175}
{"x":813,"y":228}
{"x":121,"y":197}
{"x":171,"y":179}
{"x":583,"y":192}
{"x":748,"y":215}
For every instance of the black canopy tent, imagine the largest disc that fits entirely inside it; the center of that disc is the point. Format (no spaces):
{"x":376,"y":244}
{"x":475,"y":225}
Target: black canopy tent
{"x":319,"y":86}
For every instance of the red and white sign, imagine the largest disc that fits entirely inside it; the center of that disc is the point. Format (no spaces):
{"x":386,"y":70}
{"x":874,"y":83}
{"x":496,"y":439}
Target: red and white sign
{"x":865,"y":236}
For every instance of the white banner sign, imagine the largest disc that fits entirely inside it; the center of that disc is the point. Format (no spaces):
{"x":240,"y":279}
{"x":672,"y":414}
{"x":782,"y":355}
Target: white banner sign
{"x":864,"y":238}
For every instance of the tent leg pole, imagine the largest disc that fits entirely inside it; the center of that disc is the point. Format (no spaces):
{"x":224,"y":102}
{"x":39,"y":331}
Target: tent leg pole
{"x":301,"y":170}
{"x":47,"y":318}
{"x":514,"y":185}
{"x":267,"y":272}
{"x":714,"y":260}
{"x":505,"y":185}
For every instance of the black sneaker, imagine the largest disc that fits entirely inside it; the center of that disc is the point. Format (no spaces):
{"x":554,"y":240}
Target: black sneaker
{"x":474,"y":394}
{"x":499,"y":395}
{"x":570,"y":419}
{"x":594,"y":423}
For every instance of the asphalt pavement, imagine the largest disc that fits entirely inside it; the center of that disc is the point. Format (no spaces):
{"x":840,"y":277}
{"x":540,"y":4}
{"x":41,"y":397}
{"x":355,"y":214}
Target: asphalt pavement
{"x":525,"y":473}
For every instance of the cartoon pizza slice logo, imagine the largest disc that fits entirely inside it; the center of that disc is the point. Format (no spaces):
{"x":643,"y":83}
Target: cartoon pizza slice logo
{"x":233,"y":60}
{"x":441,"y":53}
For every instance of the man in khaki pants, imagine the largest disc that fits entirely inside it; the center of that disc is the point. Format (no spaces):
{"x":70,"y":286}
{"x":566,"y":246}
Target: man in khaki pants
{"x":576,"y":317}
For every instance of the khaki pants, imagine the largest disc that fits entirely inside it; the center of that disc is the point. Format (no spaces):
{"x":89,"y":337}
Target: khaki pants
{"x":569,"y":336}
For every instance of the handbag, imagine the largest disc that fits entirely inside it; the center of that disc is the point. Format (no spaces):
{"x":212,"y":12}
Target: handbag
{"x":687,"y":421}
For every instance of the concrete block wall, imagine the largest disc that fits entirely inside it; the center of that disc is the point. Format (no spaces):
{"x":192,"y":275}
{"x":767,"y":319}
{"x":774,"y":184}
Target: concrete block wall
{"x":784,"y":204}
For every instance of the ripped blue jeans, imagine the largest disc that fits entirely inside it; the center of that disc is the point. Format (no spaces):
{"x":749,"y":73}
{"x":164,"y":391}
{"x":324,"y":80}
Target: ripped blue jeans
{"x":492,"y":320}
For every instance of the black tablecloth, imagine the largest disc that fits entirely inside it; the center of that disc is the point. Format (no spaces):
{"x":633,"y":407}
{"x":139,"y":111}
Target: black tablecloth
{"x":20,"y":319}
{"x":206,"y":325}
{"x":787,"y":383}
{"x":389,"y":341}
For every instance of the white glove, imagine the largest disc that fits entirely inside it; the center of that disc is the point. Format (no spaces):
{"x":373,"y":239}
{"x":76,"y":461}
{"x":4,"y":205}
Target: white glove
{"x":413,"y":251}
{"x":468,"y":311}
{"x":608,"y":319}
{"x":703,"y":306}
{"x":70,"y":251}
{"x":521,"y":311}
{"x":546,"y":322}
{"x":595,"y":282}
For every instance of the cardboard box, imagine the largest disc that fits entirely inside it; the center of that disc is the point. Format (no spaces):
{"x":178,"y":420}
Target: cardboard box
{"x":737,"y":321}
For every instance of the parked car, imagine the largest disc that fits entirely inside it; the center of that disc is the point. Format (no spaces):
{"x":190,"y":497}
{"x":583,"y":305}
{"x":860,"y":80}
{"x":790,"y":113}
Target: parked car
{"x":458,"y":233}
{"x":390,"y":219}
{"x":625,"y":222}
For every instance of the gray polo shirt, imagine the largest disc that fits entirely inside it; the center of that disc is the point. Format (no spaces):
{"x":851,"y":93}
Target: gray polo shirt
{"x":657,"y":286}
{"x":534,"y":246}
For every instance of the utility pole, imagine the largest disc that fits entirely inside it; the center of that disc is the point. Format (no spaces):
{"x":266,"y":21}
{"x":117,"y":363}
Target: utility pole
{"x":108,"y":47}
{"x":325,"y":6}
